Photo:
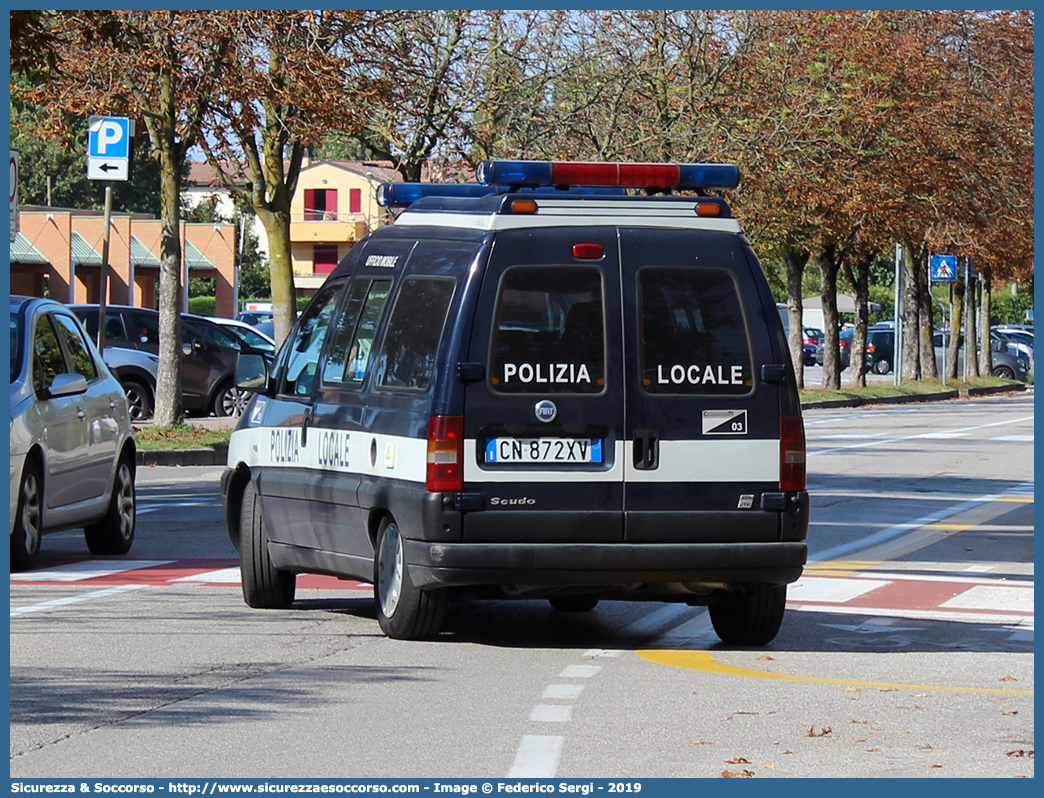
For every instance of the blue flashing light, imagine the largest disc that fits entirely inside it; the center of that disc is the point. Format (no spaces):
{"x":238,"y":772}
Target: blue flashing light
{"x":536,"y":174}
{"x":400,"y":195}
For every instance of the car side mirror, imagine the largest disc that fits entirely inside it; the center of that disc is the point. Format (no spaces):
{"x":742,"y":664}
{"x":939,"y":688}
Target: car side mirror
{"x":66,"y":385}
{"x":252,"y":372}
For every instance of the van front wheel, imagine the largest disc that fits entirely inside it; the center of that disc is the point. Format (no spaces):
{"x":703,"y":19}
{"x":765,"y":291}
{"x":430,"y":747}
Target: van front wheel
{"x":264,"y":587}
{"x":750,"y":619}
{"x":404,"y":611}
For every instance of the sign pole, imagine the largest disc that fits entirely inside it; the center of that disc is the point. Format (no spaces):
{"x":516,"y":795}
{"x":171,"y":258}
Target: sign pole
{"x":898,"y":346}
{"x":104,"y":277}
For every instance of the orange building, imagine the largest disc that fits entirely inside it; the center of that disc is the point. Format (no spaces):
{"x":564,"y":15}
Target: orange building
{"x":334,"y":206}
{"x":58,"y":253}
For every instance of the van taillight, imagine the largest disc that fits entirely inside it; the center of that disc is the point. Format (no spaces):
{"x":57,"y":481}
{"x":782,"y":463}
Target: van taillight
{"x":445,"y":454}
{"x":791,"y":453}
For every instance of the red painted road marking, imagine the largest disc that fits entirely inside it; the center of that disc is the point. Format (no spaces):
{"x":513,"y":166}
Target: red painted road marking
{"x":872,"y":591}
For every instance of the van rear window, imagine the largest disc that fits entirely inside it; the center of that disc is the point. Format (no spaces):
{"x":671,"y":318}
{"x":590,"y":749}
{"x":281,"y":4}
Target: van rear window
{"x":693,"y":336}
{"x":549,"y":331}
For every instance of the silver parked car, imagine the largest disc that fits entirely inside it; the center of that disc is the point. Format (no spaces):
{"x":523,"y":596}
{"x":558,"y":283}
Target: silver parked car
{"x":72,"y":447}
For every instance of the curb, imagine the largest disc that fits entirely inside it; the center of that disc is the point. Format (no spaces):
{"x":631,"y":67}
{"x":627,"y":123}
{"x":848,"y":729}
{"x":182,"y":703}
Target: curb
{"x":218,"y":455}
{"x":957,"y":393}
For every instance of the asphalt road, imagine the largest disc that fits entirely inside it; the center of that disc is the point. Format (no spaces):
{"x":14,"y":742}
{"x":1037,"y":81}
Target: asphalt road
{"x":907,"y":649}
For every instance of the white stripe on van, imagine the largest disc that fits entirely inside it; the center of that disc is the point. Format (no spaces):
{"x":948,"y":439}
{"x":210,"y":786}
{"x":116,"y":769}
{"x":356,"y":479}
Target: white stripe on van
{"x":339,"y":451}
{"x":574,"y":217}
{"x":680,"y":461}
{"x":398,"y":457}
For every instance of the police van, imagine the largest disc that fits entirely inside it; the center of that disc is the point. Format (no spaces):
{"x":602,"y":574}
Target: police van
{"x":545,"y":385}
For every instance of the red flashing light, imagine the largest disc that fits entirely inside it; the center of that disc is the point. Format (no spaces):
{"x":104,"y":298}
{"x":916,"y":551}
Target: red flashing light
{"x":588,"y":251}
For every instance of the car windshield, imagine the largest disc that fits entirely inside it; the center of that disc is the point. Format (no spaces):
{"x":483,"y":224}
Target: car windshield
{"x":16,"y":346}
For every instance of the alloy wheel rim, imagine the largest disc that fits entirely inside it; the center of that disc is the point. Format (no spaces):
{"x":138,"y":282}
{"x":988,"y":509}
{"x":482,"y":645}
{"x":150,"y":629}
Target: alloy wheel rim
{"x":126,"y":501}
{"x":389,"y":571}
{"x":31,"y":514}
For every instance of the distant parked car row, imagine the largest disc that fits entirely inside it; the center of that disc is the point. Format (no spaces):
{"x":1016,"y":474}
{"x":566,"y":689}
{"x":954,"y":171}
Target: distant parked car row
{"x":1012,"y":350}
{"x":210,"y":347}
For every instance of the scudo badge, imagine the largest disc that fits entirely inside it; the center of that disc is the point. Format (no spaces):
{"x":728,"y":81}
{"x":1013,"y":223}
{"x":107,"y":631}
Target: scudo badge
{"x":545,"y":410}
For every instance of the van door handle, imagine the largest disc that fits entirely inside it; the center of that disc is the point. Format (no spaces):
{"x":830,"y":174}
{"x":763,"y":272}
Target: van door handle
{"x":305,"y":421}
{"x":646,"y":448}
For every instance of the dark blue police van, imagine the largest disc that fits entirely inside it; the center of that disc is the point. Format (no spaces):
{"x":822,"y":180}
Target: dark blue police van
{"x":530,"y":388}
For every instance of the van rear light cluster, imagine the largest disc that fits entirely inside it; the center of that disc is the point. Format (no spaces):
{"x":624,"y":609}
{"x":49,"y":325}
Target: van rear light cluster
{"x":791,"y":453}
{"x":445,"y":454}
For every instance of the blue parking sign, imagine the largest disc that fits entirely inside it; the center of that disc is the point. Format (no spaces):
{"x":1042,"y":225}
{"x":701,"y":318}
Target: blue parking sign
{"x":109,"y":137}
{"x":943,"y":268}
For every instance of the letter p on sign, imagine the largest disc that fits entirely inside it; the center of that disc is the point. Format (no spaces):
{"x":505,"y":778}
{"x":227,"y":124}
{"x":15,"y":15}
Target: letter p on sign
{"x":109,"y":137}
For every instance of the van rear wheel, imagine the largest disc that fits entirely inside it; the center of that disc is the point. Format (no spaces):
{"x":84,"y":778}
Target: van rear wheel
{"x":264,"y":587}
{"x":404,"y":611}
{"x":752,"y":618}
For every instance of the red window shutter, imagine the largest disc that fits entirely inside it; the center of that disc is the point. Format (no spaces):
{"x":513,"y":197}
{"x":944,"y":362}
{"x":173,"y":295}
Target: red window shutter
{"x":331,"y":204}
{"x":324,"y":258}
{"x":355,"y":200}
{"x":310,"y":214}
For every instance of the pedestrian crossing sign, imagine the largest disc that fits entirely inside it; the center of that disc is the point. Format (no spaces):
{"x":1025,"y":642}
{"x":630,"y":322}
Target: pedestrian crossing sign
{"x":943,"y":268}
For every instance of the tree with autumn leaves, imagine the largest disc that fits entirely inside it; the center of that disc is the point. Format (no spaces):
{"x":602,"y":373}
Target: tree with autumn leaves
{"x":854,"y":129}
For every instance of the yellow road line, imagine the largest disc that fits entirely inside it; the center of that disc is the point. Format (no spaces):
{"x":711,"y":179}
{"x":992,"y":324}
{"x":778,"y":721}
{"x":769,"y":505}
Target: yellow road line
{"x":703,"y":661}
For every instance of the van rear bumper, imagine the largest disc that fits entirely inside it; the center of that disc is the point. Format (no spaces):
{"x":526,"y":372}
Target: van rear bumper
{"x":610,"y":564}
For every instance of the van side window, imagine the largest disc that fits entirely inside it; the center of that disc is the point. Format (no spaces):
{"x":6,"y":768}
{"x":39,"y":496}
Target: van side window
{"x":414,"y":331}
{"x":549,"y":331}
{"x":353,"y":334}
{"x":693,"y":336}
{"x":302,"y":362}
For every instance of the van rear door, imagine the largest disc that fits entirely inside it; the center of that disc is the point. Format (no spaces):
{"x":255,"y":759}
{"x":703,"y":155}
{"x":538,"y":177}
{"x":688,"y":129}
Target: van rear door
{"x":547,"y":419}
{"x":702,"y":430}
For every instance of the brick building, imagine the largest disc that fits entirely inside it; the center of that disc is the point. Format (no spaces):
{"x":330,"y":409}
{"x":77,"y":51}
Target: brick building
{"x":58,"y":253}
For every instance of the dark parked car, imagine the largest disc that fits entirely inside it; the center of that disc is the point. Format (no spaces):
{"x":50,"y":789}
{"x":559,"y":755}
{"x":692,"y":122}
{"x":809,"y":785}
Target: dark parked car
{"x":207,"y":367}
{"x":1006,"y":365}
{"x":880,"y":349}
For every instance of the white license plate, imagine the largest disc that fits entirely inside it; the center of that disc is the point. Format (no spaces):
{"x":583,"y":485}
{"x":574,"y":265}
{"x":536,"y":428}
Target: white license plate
{"x":544,"y":450}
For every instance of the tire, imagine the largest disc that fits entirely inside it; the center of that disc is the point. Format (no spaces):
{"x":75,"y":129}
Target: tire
{"x":882,"y":366}
{"x":114,"y":532}
{"x":28,"y":526}
{"x":1004,"y":372}
{"x":229,"y":401}
{"x":750,"y":619}
{"x":264,"y":587}
{"x":573,"y":604}
{"x":139,"y":400}
{"x":404,"y":611}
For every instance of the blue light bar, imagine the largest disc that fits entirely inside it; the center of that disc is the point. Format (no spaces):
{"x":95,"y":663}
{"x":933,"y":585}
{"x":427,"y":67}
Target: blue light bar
{"x":534,"y":174}
{"x":400,"y":195}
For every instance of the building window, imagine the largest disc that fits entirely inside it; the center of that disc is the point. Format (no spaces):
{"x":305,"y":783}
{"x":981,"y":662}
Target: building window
{"x":324,"y":258}
{"x":355,"y":200}
{"x":320,"y":205}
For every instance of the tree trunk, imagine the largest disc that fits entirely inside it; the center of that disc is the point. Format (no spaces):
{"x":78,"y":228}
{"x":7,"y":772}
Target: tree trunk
{"x":926,"y":317}
{"x":985,"y":350}
{"x":970,"y":337}
{"x":828,"y":268}
{"x":796,"y":261}
{"x":956,"y":320}
{"x":911,"y":337}
{"x":171,"y":159}
{"x":284,"y":297}
{"x":859,"y":279}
